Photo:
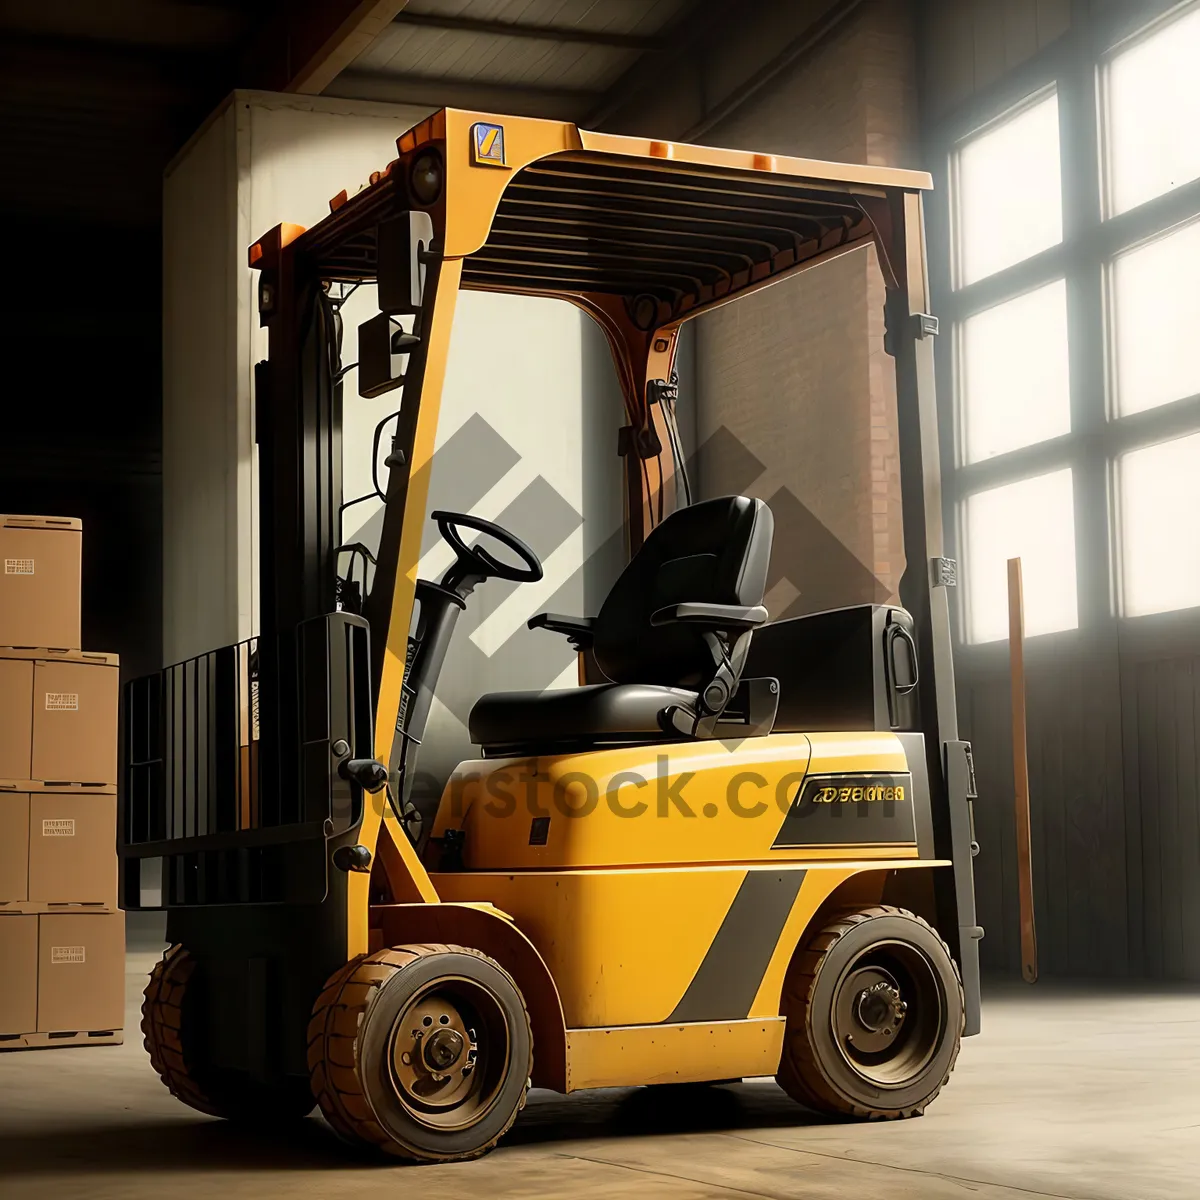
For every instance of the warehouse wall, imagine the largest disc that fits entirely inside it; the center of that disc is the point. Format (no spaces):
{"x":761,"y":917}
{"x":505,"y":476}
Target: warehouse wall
{"x":258,"y":161}
{"x":1113,"y":707}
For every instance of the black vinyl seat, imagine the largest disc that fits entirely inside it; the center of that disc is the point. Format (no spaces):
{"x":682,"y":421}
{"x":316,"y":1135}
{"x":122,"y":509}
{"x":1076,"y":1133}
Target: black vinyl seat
{"x":671,"y":636}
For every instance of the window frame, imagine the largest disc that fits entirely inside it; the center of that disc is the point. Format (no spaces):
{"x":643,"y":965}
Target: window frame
{"x":1074,"y":67}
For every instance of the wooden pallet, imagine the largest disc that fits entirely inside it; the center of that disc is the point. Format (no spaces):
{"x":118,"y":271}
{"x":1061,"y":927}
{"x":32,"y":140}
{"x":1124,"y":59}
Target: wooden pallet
{"x":47,"y":1041}
{"x":40,"y":907}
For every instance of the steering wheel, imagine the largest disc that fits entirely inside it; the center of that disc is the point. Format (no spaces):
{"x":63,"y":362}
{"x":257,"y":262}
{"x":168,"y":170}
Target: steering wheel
{"x":474,"y":564}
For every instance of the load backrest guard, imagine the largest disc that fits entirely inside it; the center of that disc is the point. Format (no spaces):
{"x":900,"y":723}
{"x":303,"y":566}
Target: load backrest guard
{"x":232,"y":783}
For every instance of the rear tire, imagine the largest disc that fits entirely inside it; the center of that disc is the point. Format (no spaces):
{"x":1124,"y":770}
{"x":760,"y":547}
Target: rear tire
{"x":170,"y":1040}
{"x":424,"y":1052}
{"x":874,"y":1007}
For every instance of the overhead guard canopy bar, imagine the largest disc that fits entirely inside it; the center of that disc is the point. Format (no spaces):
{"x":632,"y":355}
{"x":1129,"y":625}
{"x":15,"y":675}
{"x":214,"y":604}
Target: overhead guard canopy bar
{"x":579,"y":213}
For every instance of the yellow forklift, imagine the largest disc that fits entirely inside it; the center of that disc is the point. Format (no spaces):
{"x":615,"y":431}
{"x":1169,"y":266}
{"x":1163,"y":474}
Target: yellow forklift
{"x":738,"y":848}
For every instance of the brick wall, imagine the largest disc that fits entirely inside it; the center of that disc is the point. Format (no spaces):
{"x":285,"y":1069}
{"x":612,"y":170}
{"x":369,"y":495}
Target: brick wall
{"x":797,"y":373}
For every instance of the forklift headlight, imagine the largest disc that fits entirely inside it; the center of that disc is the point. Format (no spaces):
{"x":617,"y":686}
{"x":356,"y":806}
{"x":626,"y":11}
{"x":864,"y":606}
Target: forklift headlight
{"x":425,"y":177}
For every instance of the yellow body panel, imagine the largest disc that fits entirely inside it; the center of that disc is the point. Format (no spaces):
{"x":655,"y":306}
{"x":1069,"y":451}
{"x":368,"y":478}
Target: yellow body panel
{"x":694,"y":1053}
{"x":691,"y":803}
{"x":624,"y":946}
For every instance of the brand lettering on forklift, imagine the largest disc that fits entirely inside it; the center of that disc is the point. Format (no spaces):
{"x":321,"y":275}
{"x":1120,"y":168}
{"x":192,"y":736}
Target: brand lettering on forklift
{"x":846,"y":810}
{"x":858,"y":795}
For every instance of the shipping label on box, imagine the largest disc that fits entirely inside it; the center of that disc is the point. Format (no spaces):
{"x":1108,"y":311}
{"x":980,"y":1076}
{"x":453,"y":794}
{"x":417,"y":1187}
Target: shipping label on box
{"x":62,"y":701}
{"x":18,"y":566}
{"x":67,"y":954}
{"x":58,"y":827}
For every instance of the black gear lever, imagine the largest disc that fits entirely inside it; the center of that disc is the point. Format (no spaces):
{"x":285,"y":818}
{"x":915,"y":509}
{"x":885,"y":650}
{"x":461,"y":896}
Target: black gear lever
{"x":369,"y":773}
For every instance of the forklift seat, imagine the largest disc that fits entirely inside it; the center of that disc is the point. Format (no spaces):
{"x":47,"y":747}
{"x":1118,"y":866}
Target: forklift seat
{"x":671,"y":636}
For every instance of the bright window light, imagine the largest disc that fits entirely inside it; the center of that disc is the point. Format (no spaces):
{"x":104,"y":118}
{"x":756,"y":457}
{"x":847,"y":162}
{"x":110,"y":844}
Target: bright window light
{"x":1009,"y":200}
{"x":1014,"y":373}
{"x":1033,"y":520}
{"x":1156,"y":321}
{"x":1153,"y":91}
{"x":1159,"y":495}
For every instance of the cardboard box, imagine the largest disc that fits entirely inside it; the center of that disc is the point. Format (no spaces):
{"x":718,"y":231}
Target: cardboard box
{"x":73,"y":848}
{"x":14,"y":851}
{"x":80,"y":972}
{"x":16,"y":718}
{"x":40,"y":581}
{"x":58,"y":716}
{"x":18,"y":979}
{"x":57,"y":848}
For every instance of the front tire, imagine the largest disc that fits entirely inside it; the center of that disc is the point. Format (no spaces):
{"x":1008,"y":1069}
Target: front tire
{"x":874,"y":1007}
{"x":422,"y":1051}
{"x":169,"y":1031}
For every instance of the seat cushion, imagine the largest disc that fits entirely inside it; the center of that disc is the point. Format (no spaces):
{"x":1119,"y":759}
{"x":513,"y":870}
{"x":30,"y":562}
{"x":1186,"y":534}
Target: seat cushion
{"x":602,"y":712}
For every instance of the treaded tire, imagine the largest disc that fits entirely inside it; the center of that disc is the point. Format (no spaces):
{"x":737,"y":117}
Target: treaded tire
{"x":165,"y":1034}
{"x":349,"y":1037}
{"x":813,"y":1070}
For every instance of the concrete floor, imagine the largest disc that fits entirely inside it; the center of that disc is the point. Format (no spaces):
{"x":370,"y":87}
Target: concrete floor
{"x":1069,"y":1093}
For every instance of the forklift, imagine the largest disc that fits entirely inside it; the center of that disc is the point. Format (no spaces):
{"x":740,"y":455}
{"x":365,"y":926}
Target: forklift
{"x":739,"y":848}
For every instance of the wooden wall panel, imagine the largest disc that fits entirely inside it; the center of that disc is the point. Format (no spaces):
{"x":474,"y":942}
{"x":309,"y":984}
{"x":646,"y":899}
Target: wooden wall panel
{"x":1161,"y":702}
{"x":1115,"y":798}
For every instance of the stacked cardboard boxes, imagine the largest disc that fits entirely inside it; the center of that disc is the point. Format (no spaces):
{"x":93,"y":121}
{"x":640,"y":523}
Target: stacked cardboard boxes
{"x":62,"y":936}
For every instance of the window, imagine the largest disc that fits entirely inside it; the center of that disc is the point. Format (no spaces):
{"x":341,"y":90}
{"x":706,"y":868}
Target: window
{"x":1153,"y":113}
{"x":1156,"y":321}
{"x":1075,"y":320}
{"x":1010,"y":400}
{"x":1032,"y":520}
{"x":999,"y":224}
{"x":1158,"y":489}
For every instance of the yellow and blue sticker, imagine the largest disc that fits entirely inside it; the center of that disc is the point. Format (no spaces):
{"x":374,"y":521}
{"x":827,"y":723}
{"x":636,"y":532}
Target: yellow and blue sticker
{"x":487,"y":145}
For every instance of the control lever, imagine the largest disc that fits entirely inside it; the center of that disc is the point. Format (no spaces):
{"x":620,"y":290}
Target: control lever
{"x":369,"y":773}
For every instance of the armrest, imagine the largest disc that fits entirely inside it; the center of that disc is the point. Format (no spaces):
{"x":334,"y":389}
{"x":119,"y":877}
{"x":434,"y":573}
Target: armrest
{"x":577,"y":630}
{"x":715,"y":616}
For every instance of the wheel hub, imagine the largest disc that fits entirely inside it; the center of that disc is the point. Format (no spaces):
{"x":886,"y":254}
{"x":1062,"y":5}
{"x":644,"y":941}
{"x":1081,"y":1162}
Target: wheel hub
{"x":873,"y":1011}
{"x":433,"y":1053}
{"x":443,"y":1049}
{"x":880,"y":1008}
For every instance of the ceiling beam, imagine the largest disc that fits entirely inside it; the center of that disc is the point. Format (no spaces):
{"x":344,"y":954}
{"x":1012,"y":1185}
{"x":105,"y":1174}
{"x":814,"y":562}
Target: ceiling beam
{"x":540,"y":33}
{"x":305,"y":44}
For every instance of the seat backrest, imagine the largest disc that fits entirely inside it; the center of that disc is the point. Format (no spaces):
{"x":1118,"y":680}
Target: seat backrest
{"x":716,"y":552}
